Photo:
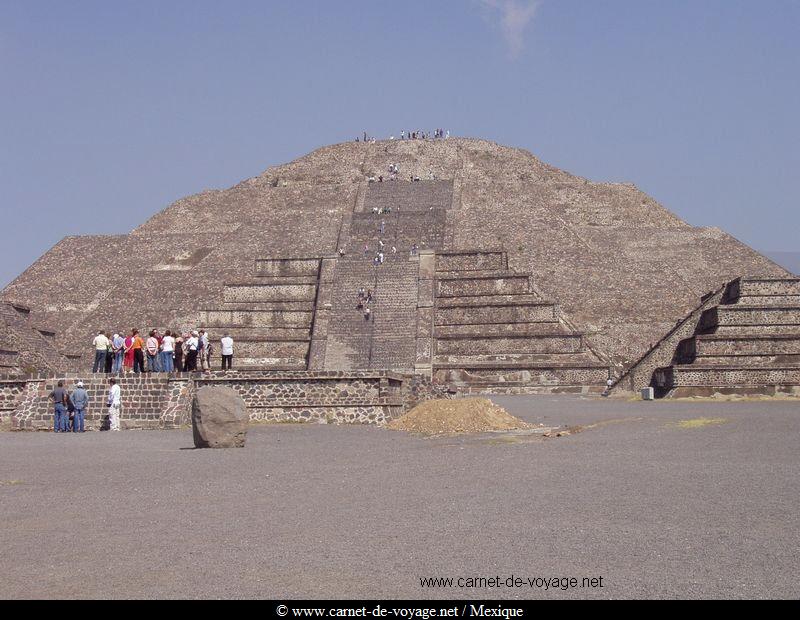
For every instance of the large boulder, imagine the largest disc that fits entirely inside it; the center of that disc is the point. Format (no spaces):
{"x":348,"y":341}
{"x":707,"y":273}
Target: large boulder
{"x":219,"y":418}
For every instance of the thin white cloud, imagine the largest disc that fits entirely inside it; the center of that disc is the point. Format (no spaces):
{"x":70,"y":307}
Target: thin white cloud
{"x":514,"y":17}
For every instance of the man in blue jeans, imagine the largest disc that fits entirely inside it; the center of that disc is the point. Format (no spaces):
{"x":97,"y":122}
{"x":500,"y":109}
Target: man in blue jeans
{"x":59,"y":396}
{"x":80,"y":400}
{"x":118,"y":350}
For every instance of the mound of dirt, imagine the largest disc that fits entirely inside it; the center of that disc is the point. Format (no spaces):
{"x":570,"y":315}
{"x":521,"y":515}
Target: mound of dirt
{"x":459,"y":415}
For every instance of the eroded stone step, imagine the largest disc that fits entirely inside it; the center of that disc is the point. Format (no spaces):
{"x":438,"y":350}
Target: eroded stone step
{"x":767,"y":344}
{"x":768,"y":300}
{"x":530,"y":330}
{"x":259,"y":333}
{"x":784,"y":359}
{"x":749,"y":315}
{"x":491,"y":300}
{"x":542,"y":376}
{"x":299,"y":306}
{"x":755,"y":330}
{"x":271,"y":348}
{"x":571,"y":358}
{"x":254,"y":292}
{"x":693,"y":375}
{"x":488,"y":285}
{"x":471,"y":261}
{"x":266,"y":363}
{"x":495,"y":314}
{"x":561,"y":343}
{"x":767,"y":286}
{"x":255,"y":318}
{"x":287,"y":267}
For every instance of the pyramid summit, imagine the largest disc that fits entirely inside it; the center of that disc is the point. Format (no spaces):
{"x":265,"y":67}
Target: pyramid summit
{"x":498,"y":271}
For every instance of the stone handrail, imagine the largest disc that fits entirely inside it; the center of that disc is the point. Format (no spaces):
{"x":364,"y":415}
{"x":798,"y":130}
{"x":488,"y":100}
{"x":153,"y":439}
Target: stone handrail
{"x":640,"y":373}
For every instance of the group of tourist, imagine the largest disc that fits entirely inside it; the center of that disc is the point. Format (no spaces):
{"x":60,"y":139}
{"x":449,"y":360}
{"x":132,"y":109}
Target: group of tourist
{"x":365,"y":298}
{"x":167,"y":352}
{"x":70,"y":407}
{"x":437,"y":134}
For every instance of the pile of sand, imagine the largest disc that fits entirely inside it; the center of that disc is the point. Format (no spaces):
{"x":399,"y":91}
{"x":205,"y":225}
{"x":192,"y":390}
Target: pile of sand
{"x":460,"y":415}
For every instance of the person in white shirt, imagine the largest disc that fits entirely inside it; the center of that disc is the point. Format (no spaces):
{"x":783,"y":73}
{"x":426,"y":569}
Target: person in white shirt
{"x":167,"y":352}
{"x":191,"y":352}
{"x":113,"y":405}
{"x":227,"y":352}
{"x":204,"y":351}
{"x":100,"y":343}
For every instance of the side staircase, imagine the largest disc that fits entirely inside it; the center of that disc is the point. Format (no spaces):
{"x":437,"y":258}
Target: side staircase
{"x":749,"y":342}
{"x":493,"y":332}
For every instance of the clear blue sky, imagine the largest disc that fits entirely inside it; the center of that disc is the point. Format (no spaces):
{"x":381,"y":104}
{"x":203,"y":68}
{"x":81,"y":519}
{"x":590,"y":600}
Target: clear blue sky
{"x":112,"y":110}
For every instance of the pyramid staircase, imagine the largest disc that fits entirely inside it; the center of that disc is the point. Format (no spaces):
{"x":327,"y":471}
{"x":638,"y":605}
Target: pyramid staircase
{"x":748,"y":342}
{"x":417,"y":216}
{"x":494,"y":332}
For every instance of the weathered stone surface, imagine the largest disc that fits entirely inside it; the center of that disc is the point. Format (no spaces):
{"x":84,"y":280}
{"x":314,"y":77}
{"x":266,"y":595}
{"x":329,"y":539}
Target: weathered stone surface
{"x":219,"y":418}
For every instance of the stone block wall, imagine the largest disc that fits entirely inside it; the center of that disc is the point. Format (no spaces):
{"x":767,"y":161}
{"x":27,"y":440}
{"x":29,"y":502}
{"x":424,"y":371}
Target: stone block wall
{"x":159,"y":401}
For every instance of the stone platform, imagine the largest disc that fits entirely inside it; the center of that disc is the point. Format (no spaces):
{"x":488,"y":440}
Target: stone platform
{"x":153,"y":401}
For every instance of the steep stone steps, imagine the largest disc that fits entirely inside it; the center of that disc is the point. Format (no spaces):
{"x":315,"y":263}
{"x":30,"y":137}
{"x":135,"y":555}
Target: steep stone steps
{"x":494,"y":332}
{"x":348,"y":338}
{"x":750,"y":340}
{"x":407,"y":196}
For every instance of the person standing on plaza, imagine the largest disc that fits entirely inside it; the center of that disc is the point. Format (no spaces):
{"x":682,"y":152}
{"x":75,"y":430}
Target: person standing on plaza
{"x":167,"y":351}
{"x":100,"y":343}
{"x":80,"y":401}
{"x":227,"y":352}
{"x":59,"y":396}
{"x":114,"y":400}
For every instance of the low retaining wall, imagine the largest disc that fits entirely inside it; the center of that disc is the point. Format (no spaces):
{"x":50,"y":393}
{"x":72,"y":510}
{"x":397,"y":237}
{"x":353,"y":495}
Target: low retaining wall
{"x":151,"y":401}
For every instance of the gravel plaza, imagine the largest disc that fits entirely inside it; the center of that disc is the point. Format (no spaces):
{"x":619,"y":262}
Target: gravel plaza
{"x":659,"y":499}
